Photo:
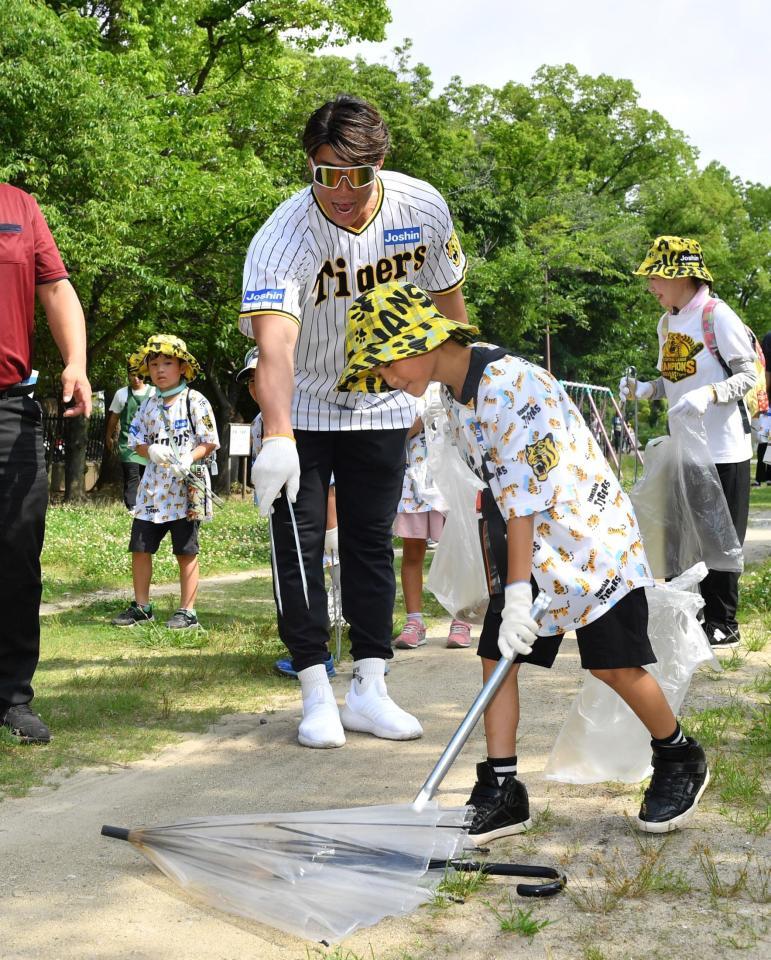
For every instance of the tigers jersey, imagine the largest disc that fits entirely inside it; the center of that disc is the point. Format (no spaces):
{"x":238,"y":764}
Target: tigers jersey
{"x":519,"y":431}
{"x":303,"y":266}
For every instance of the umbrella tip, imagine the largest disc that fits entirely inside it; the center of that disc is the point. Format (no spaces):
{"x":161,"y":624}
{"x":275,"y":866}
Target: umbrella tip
{"x":117,"y":833}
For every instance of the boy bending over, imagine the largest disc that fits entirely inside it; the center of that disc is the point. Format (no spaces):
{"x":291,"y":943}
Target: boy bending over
{"x":554,"y":518}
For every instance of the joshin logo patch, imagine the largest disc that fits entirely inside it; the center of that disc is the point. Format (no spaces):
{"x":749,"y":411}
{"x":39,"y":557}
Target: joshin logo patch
{"x":267,"y":297}
{"x":401,"y":235}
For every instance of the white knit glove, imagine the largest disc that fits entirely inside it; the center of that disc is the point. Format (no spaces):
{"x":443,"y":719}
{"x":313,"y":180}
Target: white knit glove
{"x":643,"y":389}
{"x":518,"y":629}
{"x":694,"y":403}
{"x":331,"y":541}
{"x":160,"y":454}
{"x":180,"y":465}
{"x":277,"y":465}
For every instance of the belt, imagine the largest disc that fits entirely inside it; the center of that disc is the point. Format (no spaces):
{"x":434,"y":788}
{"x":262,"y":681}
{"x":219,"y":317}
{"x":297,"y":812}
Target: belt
{"x":17,"y":390}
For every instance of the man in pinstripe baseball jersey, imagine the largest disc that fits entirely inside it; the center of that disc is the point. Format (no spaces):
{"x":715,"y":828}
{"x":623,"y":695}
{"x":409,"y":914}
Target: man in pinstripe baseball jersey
{"x":355,"y":227}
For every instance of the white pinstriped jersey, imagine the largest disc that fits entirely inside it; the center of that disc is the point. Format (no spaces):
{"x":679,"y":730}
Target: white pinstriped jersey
{"x":303,"y":266}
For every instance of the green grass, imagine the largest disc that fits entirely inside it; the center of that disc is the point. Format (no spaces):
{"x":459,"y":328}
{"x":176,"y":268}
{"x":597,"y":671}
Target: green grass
{"x":113,"y":695}
{"x":86,"y":547}
{"x":760,"y":497}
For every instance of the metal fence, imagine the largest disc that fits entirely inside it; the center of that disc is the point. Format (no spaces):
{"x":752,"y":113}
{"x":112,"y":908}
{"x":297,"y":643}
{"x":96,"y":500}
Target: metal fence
{"x":55,"y":434}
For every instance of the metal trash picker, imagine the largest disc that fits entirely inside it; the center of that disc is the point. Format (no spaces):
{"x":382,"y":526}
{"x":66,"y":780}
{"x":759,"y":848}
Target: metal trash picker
{"x":323,"y":874}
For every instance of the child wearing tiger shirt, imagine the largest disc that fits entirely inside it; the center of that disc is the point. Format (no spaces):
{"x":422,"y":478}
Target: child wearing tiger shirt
{"x":553,"y":517}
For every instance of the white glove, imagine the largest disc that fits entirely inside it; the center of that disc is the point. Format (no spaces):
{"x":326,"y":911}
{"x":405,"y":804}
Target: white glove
{"x":694,"y":403}
{"x":181,"y":464}
{"x":330,"y":541}
{"x":518,"y":629}
{"x":277,"y":465}
{"x":159,"y":453}
{"x":643,"y":389}
{"x":433,"y":408}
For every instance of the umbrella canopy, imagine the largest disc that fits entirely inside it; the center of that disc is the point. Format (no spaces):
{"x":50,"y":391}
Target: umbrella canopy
{"x":319,"y":875}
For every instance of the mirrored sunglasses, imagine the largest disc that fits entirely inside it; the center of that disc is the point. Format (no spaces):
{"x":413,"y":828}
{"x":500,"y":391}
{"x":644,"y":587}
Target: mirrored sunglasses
{"x":332,"y":177}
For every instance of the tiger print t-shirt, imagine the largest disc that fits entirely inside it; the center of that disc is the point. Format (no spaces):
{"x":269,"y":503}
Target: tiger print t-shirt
{"x":519,"y":431}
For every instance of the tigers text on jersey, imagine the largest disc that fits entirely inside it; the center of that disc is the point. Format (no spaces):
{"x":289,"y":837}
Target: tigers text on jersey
{"x":161,"y":496}
{"x":303,"y":266}
{"x":686,"y":363}
{"x":543,"y":460}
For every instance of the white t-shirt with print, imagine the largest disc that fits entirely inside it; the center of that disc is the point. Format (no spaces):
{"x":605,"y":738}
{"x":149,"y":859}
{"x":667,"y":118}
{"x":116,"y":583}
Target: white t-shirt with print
{"x":161,"y":496}
{"x":587,"y":549}
{"x":686,"y":363}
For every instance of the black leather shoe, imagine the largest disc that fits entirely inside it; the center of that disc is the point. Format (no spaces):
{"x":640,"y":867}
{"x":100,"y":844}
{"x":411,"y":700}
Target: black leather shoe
{"x":25,"y":724}
{"x":680,"y":777}
{"x":501,"y":810}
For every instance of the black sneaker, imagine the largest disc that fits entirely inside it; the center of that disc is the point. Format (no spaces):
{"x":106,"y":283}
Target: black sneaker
{"x":680,"y":777}
{"x":25,"y":724}
{"x":182,"y":620}
{"x":721,"y":636}
{"x":132,"y":615}
{"x":500,"y":810}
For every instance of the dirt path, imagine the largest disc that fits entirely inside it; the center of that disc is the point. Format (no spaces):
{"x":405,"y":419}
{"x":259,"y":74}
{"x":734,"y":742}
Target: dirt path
{"x":68,"y":894}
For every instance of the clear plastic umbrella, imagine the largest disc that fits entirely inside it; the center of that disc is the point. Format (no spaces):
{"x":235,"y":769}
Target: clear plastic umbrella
{"x":322,"y":874}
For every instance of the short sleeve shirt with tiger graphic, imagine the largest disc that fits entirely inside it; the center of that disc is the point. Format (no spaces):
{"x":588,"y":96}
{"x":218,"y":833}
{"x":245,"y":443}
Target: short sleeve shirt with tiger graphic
{"x":542,"y":459}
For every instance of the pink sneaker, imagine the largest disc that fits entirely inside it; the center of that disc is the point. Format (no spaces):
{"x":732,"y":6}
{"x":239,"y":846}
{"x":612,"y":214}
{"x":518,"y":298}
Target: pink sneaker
{"x":460,"y":635}
{"x":413,"y":635}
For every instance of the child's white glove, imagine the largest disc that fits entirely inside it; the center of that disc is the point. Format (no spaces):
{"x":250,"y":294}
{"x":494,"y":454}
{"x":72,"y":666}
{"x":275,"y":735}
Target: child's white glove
{"x":277,"y":465}
{"x":160,"y":454}
{"x":518,"y":629}
{"x":331,"y":541}
{"x":180,"y":466}
{"x":630,"y":388}
{"x":694,"y":403}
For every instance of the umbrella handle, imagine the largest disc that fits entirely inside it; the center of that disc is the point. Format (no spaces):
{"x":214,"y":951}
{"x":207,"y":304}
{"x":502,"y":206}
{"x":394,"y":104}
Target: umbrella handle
{"x":556,"y":882}
{"x":477,"y":708}
{"x":116,"y":833}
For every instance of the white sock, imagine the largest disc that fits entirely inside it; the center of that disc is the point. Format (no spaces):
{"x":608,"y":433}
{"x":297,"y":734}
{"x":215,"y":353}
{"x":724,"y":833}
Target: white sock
{"x":367,"y":671}
{"x":416,"y":616}
{"x":312,"y":677}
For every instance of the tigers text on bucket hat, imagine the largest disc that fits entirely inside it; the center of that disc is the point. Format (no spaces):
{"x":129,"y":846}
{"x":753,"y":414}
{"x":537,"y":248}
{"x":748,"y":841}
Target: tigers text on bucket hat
{"x":391,"y":322}
{"x":671,"y":257}
{"x":250,"y":362}
{"x":169,"y":346}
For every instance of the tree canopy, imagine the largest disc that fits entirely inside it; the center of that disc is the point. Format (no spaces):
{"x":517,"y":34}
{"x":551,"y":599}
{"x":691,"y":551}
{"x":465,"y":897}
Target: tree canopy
{"x":159,"y":134}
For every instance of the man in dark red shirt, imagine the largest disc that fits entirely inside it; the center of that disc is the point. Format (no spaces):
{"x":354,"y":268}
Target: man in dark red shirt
{"x":30,"y":264}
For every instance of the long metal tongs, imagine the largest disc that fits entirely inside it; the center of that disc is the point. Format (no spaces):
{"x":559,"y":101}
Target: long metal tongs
{"x":274,"y":561}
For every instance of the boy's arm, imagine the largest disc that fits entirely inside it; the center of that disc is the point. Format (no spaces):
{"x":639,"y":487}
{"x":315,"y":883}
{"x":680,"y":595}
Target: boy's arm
{"x":519,"y":541}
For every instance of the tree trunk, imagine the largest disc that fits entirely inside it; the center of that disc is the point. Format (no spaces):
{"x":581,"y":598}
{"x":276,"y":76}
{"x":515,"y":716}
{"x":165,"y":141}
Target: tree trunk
{"x":75,"y":434}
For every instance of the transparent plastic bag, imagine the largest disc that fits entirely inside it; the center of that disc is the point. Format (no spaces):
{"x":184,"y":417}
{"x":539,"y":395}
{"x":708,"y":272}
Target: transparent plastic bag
{"x":680,"y":505}
{"x":601,"y":738}
{"x":457,"y":577}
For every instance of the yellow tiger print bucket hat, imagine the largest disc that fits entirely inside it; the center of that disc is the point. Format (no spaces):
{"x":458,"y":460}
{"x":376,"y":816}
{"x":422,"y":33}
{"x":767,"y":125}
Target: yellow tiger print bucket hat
{"x":134,"y":362}
{"x":169,"y":346}
{"x":671,"y":257}
{"x":391,"y":322}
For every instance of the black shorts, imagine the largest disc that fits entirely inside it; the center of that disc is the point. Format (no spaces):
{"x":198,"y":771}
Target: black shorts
{"x":617,"y":639}
{"x":146,"y":536}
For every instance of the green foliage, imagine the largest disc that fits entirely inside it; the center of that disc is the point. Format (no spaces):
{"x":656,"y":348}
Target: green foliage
{"x":159,"y":134}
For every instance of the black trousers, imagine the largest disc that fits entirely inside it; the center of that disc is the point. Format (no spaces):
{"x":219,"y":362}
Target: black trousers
{"x":23,"y":502}
{"x":369,"y":469}
{"x":132,"y":474}
{"x":720,"y":588}
{"x":762,"y":470}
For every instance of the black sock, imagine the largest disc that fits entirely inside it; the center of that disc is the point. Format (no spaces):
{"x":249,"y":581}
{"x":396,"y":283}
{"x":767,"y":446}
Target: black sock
{"x":503,"y":767}
{"x":676,"y":739}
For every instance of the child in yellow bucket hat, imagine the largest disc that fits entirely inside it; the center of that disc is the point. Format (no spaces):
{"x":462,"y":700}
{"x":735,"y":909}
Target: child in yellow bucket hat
{"x":173,"y":429}
{"x":554,"y":517}
{"x":709,"y":375}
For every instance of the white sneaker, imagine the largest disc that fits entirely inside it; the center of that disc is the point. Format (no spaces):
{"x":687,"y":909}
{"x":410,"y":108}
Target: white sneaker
{"x":369,"y":709}
{"x":320,"y":726}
